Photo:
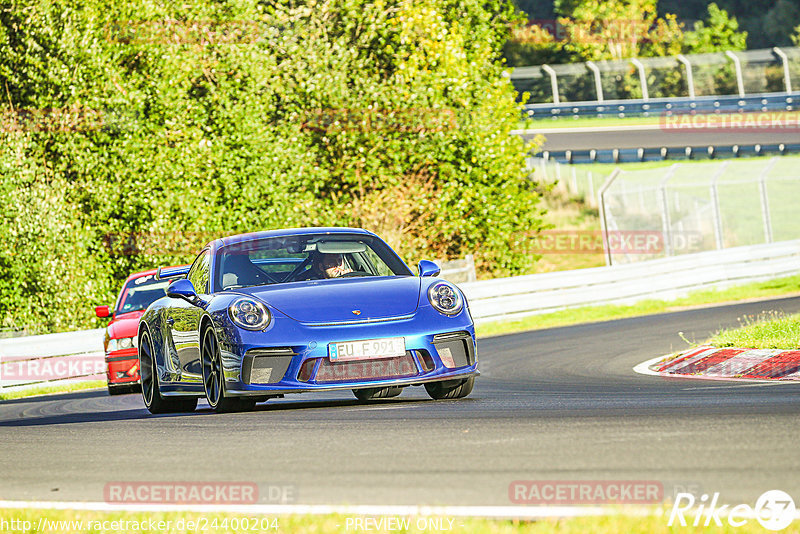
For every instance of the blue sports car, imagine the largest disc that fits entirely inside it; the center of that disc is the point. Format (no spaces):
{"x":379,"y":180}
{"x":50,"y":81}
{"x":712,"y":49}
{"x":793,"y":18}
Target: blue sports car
{"x":260,"y":315}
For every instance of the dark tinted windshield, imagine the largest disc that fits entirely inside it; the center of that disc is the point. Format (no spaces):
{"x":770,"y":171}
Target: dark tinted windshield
{"x":140,"y":292}
{"x":278,"y":260}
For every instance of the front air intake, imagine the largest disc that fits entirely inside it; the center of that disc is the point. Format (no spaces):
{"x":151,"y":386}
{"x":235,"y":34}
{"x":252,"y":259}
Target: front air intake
{"x":266,"y":365}
{"x":455,"y":349}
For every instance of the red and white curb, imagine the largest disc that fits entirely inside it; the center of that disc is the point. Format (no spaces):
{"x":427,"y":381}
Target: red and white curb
{"x":727,"y":364}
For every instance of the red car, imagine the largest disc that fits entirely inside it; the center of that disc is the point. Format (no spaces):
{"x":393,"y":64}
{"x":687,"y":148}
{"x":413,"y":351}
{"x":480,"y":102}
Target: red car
{"x":122,"y":362}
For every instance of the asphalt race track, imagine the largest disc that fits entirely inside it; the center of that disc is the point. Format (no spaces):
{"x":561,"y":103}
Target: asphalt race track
{"x":643,"y":136}
{"x":558,"y":404}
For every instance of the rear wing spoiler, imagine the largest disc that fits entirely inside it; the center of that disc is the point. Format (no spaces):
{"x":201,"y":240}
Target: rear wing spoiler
{"x":178,"y":271}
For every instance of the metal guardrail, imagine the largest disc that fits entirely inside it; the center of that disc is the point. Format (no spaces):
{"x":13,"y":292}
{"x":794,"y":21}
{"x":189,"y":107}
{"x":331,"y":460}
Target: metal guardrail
{"x":663,"y":107}
{"x":458,"y":271}
{"x":510,"y":298}
{"x":39,"y":360}
{"x":630,"y":155}
{"x":667,"y":278}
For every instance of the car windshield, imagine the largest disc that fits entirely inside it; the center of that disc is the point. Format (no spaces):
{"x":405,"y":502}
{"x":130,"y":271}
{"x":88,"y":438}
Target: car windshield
{"x":278,"y":260}
{"x":140,"y":292}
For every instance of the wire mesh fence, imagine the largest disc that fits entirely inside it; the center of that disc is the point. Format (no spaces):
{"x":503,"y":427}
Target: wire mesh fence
{"x":575,"y":181}
{"x":700,"y":206}
{"x":725,"y":73}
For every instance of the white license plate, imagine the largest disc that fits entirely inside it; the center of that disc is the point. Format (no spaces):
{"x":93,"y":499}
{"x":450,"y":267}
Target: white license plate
{"x":367,"y":349}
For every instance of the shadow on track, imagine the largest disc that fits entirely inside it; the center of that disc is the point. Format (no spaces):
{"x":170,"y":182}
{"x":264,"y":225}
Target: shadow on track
{"x":295,"y":405}
{"x":85,"y":417}
{"x":202,"y":409}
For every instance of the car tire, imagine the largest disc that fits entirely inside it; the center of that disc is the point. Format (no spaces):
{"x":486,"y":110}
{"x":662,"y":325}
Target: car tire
{"x":214,"y":379}
{"x":368,"y":394}
{"x":151,"y":391}
{"x":450,"y":389}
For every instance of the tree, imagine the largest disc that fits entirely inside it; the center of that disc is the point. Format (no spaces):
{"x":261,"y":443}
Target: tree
{"x":618,"y":29}
{"x":718,"y":33}
{"x":217,"y":118}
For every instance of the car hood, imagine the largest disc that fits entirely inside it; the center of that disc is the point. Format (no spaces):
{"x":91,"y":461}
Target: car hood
{"x":125,"y":325}
{"x":338,"y":300}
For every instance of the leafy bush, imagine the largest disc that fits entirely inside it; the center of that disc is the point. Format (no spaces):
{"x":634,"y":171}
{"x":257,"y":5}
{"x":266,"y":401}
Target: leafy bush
{"x":134,"y":133}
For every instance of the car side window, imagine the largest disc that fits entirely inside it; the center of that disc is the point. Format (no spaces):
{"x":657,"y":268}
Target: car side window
{"x":199,"y":273}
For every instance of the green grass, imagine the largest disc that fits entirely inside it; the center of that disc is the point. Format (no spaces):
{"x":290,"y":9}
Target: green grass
{"x":568,"y":214}
{"x":48,"y":389}
{"x":585,"y":122}
{"x":772,"y":288}
{"x":591,"y":122}
{"x":175,"y":522}
{"x":769,"y":330}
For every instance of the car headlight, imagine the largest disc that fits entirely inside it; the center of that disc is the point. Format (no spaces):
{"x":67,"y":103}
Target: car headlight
{"x":249,"y":314}
{"x":445,"y":298}
{"x":121,"y":343}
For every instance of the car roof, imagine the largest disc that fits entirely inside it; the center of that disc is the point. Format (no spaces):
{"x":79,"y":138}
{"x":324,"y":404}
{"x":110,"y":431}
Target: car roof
{"x":242,"y":238}
{"x":140,"y":274}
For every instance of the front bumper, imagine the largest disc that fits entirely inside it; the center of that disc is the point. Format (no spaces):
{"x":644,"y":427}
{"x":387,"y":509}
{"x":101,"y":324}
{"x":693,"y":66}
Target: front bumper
{"x":122,"y":366}
{"x":442,"y":350}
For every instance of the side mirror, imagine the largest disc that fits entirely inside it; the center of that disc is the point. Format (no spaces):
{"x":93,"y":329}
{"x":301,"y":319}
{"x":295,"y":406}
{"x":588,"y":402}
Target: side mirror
{"x":428,"y":268}
{"x":102,"y":311}
{"x":183,"y":289}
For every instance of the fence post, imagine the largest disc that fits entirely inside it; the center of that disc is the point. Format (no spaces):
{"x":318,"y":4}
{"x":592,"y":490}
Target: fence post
{"x":716,"y":213}
{"x":642,"y":78}
{"x":787,"y":78}
{"x":737,"y":64}
{"x":560,"y":182}
{"x":546,"y":171}
{"x":574,"y":181}
{"x":553,"y":83}
{"x":470,"y":259}
{"x":603,"y":217}
{"x":689,"y":74}
{"x":666,"y":223}
{"x":598,"y":82}
{"x":762,"y":182}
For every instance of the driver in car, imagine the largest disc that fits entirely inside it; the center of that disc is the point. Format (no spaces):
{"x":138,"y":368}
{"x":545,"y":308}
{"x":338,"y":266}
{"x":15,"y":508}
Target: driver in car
{"x":331,"y":266}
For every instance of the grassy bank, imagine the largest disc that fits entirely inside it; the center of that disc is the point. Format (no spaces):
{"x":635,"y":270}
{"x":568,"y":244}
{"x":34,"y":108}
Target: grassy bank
{"x":771,"y":330}
{"x":54,"y":388}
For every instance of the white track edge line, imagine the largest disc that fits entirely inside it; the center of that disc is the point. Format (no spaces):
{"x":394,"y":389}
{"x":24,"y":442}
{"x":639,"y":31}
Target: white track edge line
{"x":644,"y":367}
{"x":521,"y":512}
